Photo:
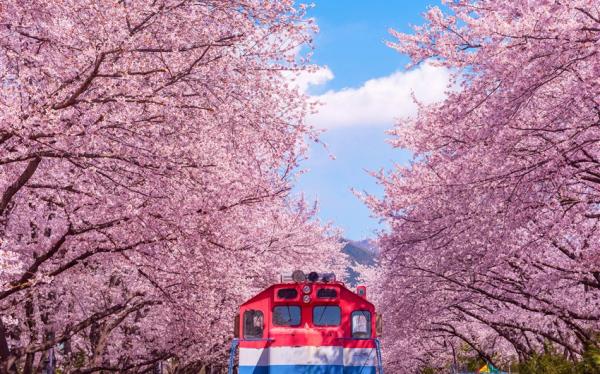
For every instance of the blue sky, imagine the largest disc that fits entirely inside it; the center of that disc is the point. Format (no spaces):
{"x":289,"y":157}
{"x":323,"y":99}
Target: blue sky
{"x":364,"y":87}
{"x":353,"y":34}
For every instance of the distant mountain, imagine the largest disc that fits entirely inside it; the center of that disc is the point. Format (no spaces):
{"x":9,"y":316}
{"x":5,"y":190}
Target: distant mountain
{"x":362,"y":252}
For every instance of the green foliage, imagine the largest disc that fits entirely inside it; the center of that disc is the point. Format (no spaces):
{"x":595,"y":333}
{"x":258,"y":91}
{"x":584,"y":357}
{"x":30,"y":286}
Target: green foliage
{"x":468,"y":359}
{"x":548,"y":362}
{"x":471,"y":363}
{"x":79,"y":359}
{"x":552,"y":362}
{"x":590,"y":361}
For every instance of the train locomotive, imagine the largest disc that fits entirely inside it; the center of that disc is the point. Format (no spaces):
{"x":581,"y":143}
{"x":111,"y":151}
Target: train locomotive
{"x":307,"y":324}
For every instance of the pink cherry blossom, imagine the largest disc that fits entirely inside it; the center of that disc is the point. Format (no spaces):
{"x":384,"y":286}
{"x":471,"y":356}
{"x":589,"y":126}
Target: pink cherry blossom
{"x":493,"y":242}
{"x":147,"y":151}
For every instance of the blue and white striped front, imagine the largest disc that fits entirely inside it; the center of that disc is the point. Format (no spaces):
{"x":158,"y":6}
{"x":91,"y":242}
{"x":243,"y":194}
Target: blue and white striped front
{"x":308,"y":360}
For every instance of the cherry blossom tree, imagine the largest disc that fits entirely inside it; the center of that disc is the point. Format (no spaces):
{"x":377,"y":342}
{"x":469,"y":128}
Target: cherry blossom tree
{"x":493,"y":240}
{"x":147,"y":149}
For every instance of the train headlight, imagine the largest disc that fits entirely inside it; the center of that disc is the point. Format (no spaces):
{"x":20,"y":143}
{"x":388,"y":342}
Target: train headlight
{"x":306,"y":289}
{"x":306,"y":299}
{"x":313,"y":276}
{"x":298,"y":276}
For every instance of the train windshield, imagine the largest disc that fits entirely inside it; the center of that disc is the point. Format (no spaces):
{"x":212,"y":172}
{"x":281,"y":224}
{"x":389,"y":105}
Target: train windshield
{"x":327,"y":315}
{"x":286,"y":315}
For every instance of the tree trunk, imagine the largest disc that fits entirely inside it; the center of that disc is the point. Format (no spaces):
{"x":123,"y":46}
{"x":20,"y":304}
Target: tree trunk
{"x":29,"y":359}
{"x":6,"y":366}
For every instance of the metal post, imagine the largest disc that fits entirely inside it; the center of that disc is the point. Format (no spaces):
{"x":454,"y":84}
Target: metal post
{"x":234,"y":344}
{"x":51,"y":363}
{"x":379,"y":359}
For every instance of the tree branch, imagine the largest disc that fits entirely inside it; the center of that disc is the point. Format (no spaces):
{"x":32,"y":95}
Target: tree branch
{"x":19,"y":183}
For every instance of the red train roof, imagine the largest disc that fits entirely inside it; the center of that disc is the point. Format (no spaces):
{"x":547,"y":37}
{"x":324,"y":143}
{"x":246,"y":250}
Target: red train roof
{"x":344,"y":295}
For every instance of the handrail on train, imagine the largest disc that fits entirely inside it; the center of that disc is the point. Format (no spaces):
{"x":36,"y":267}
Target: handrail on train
{"x":234,"y":344}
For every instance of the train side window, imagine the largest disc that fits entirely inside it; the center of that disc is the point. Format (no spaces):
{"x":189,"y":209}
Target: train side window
{"x":361,"y":324}
{"x":327,"y":315}
{"x":254,"y":324}
{"x":286,"y":315}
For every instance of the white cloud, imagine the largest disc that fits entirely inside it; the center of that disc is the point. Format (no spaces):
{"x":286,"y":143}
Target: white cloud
{"x":306,"y":78}
{"x":378,"y":102}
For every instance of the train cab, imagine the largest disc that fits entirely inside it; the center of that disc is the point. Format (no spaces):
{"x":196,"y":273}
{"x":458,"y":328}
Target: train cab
{"x":308,"y":324}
